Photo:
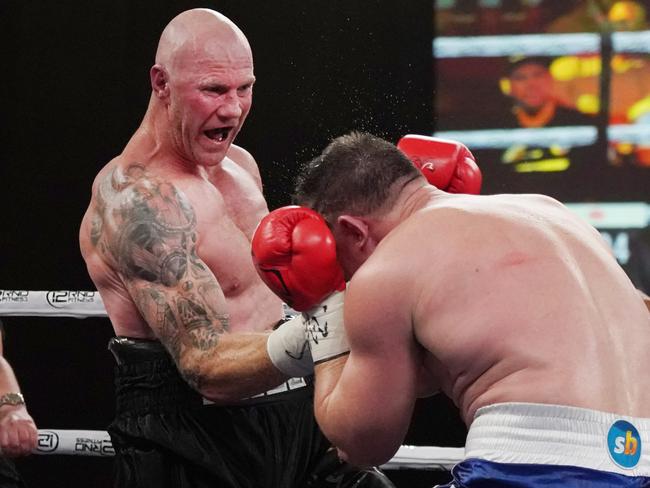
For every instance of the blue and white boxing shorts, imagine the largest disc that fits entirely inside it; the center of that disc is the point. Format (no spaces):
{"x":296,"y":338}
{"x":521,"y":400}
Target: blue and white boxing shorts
{"x":532,"y":445}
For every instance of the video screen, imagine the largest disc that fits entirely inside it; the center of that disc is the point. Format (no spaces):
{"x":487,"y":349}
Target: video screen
{"x":626,"y":228}
{"x":550,"y":98}
{"x":554,"y":98}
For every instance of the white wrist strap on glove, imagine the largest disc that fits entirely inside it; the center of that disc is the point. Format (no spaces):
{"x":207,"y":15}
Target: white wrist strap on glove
{"x":288,"y":349}
{"x":324,"y":329}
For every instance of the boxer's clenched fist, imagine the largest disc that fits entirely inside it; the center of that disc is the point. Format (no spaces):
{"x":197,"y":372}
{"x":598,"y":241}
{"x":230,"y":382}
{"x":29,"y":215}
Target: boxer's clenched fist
{"x":295,"y":254}
{"x":446,"y":164}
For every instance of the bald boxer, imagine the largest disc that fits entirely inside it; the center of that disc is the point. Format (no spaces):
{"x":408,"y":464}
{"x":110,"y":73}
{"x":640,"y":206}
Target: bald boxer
{"x":511,"y":305}
{"x":166,"y":239}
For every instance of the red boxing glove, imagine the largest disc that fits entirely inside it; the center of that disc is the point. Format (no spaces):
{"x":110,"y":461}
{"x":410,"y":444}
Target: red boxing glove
{"x":295,"y":255}
{"x":446,"y":164}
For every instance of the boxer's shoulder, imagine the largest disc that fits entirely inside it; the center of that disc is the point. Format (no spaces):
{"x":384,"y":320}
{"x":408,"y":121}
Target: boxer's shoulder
{"x":240,"y":155}
{"x":242,"y":158}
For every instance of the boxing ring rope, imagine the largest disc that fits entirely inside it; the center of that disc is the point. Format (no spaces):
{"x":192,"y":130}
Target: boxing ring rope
{"x":59,"y":303}
{"x":98,"y":443}
{"x":86,"y":304}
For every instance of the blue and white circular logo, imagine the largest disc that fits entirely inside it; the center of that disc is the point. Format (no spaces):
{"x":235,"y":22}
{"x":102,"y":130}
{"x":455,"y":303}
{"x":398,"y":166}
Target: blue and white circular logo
{"x":624,"y":444}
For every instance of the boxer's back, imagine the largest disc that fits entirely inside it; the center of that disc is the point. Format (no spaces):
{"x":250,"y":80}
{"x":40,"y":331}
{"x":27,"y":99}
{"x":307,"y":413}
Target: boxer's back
{"x":519,"y":300}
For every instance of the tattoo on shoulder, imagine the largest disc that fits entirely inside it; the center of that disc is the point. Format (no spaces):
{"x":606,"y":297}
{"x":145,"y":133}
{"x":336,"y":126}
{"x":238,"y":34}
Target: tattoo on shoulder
{"x":147,"y":228}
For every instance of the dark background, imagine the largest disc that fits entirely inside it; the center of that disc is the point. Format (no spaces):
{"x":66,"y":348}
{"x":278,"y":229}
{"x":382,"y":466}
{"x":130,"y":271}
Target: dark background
{"x":75,"y":86}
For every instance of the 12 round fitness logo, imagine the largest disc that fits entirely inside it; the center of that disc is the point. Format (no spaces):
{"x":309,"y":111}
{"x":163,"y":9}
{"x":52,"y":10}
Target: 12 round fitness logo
{"x":59,"y":299}
{"x":48,"y":441}
{"x":624,"y":444}
{"x":97,"y":447}
{"x":14,"y":296}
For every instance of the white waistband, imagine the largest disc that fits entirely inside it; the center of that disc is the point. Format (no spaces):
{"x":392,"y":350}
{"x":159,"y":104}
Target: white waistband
{"x":290,"y":384}
{"x":552,"y":434}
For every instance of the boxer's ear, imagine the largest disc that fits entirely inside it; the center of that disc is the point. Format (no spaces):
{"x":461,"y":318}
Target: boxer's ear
{"x":159,"y":81}
{"x":354,"y":230}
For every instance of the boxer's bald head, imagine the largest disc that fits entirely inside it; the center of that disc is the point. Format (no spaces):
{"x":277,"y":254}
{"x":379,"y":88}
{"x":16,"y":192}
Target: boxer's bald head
{"x":202,"y":85}
{"x":198,"y":31}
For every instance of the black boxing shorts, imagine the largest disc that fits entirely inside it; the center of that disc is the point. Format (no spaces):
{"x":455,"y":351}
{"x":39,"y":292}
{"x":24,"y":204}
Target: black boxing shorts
{"x":9,"y":476}
{"x":330,"y":472}
{"x":166,"y":435}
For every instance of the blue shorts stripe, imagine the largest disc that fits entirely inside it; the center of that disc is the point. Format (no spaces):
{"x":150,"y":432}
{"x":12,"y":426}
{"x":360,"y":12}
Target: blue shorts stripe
{"x":478,"y":473}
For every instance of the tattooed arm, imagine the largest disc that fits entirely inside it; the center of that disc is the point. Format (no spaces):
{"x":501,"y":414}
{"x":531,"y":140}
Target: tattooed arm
{"x":151,"y":237}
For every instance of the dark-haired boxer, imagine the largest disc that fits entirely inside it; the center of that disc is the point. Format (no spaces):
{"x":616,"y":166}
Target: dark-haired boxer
{"x":510,"y":304}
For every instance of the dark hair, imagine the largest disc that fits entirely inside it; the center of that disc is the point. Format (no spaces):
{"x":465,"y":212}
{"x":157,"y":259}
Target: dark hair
{"x":515,"y":62}
{"x":354,"y":174}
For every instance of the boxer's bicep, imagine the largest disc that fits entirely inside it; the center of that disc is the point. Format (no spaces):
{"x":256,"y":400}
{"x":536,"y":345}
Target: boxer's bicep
{"x":153,"y":243}
{"x":184,"y":318}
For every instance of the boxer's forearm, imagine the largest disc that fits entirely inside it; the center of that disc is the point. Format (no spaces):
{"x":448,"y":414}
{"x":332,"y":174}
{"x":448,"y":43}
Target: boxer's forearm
{"x":327,"y":377}
{"x":338,"y":415}
{"x":327,"y":403}
{"x":238,"y":367}
{"x":8,"y":381}
{"x":364,"y":403}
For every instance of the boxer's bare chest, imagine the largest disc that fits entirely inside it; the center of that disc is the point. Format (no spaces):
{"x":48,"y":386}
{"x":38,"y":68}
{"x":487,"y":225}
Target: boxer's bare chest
{"x":211,"y":217}
{"x":227,"y":212}
{"x":241,"y":198}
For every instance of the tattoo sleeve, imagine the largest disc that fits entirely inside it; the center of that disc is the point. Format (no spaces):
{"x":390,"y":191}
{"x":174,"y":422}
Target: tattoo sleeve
{"x":149,"y":233}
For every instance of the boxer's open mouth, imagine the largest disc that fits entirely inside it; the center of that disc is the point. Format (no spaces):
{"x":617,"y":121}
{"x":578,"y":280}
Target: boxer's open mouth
{"x":219,"y":134}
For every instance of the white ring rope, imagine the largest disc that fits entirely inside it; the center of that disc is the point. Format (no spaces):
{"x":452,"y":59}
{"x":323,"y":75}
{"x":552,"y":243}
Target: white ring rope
{"x":60,"y":303}
{"x":98,"y":443}
{"x":426,"y":457}
{"x":74,"y":442}
{"x":537,"y":45}
{"x":82,"y":304}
